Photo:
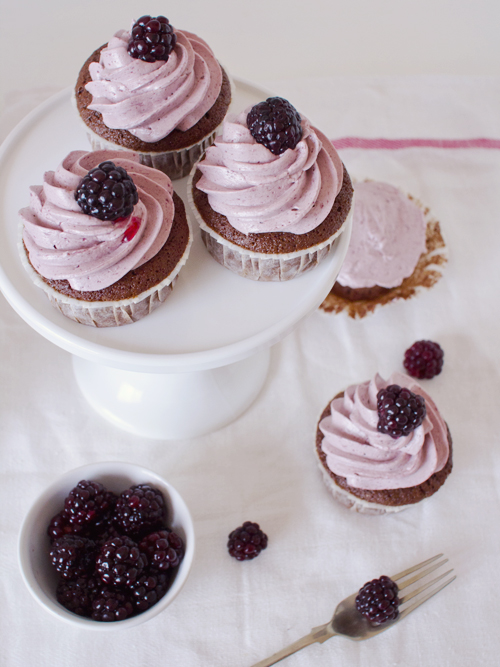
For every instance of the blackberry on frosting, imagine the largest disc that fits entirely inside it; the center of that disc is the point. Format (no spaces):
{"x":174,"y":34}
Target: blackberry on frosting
{"x":107,"y":192}
{"x":400,"y":411}
{"x":152,"y":39}
{"x":275,"y":124}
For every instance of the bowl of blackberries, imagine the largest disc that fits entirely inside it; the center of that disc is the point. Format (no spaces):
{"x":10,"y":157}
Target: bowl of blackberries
{"x":107,"y":545}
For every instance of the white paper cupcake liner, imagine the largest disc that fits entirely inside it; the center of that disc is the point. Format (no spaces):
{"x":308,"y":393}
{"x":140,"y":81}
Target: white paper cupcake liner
{"x":108,"y":313}
{"x":176,"y":164}
{"x":356,"y":504}
{"x":259,"y":265}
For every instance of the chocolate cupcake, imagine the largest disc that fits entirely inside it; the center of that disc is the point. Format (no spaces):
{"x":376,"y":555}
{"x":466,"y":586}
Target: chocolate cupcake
{"x":375,"y":463}
{"x":270,"y":202}
{"x":154,"y":90}
{"x":387,"y":240}
{"x":104,"y":237}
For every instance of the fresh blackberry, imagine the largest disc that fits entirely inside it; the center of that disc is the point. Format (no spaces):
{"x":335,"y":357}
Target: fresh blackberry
{"x":275,"y":124}
{"x":378,"y":601}
{"x":60,"y":526}
{"x":120,"y":562}
{"x":148,"y":589}
{"x":111,"y":604}
{"x":140,"y":510}
{"x":73,"y":555}
{"x":103,"y":573}
{"x":89,"y":505}
{"x":152,"y":39}
{"x":76,"y":595}
{"x":109,"y":532}
{"x":164,"y":549}
{"x":424,"y":359}
{"x":247,"y":541}
{"x":400,"y":411}
{"x":107,"y":192}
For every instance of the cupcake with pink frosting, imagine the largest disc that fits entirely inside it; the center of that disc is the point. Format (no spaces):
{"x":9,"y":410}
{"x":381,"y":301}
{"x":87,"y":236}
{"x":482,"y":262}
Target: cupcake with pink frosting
{"x":271,"y":195}
{"x":382,"y":446}
{"x":154,"y":90}
{"x":104,"y":237}
{"x":387,"y":240}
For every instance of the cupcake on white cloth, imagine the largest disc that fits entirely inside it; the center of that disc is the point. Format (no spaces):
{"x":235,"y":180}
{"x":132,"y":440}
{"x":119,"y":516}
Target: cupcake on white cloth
{"x":374,"y":463}
{"x":388,"y":238}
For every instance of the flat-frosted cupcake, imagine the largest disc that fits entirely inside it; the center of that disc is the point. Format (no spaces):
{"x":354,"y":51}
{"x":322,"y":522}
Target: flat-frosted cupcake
{"x":104,"y":237}
{"x":154,"y":90}
{"x":383,"y":446}
{"x":271,"y":195}
{"x":387,"y":240}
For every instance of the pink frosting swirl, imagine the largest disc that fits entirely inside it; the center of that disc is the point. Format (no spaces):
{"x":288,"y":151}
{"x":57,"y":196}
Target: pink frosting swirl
{"x":259,"y":192}
{"x":388,"y":237}
{"x":149,"y":100}
{"x":368,"y":459}
{"x":65,"y":243}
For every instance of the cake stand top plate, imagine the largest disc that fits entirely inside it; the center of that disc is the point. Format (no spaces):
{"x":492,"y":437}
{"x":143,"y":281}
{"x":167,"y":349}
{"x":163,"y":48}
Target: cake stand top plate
{"x":212,"y":318}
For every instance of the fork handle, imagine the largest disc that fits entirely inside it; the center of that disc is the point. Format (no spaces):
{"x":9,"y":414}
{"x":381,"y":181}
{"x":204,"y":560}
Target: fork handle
{"x":319,"y":634}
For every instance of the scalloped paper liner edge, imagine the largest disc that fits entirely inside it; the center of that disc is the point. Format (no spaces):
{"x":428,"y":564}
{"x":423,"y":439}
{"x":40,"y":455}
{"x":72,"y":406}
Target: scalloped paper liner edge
{"x":260,"y":266}
{"x":108,"y":313}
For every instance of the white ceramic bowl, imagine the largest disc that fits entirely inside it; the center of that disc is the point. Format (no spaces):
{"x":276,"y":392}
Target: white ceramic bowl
{"x":39,"y":575}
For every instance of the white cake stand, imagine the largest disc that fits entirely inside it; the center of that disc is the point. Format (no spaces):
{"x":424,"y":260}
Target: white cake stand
{"x":198,"y":361}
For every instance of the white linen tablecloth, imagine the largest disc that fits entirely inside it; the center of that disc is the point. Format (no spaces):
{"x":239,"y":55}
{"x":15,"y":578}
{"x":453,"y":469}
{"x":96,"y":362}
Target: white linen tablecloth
{"x":262,"y":467}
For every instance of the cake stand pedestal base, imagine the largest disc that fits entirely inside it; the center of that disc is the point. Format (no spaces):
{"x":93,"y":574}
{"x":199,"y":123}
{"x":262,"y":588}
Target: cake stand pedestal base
{"x":169,"y":406}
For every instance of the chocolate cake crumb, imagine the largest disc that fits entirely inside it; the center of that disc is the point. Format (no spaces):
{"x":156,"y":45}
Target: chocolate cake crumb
{"x":359,"y":293}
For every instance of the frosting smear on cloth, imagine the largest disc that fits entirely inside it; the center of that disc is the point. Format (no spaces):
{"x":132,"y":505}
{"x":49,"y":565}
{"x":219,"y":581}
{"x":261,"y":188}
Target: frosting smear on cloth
{"x":150,"y":99}
{"x":259,"y":192}
{"x":64,"y":243}
{"x":387,"y":240}
{"x":368,"y":459}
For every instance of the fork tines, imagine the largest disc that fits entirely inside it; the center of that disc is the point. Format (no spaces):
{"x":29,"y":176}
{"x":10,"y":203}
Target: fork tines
{"x":421,"y":571}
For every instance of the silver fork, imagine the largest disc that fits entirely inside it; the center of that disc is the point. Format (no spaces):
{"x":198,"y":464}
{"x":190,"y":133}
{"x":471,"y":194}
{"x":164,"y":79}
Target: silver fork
{"x":348,"y":622}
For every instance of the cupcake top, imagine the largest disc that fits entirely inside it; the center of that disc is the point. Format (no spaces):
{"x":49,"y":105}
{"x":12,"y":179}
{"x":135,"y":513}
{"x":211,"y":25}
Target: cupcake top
{"x":151,"y":98}
{"x":259,"y":191}
{"x":64,"y":243}
{"x":356,"y":449}
{"x":387,"y":240}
